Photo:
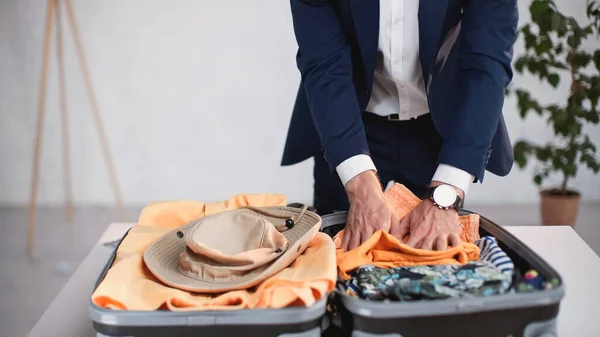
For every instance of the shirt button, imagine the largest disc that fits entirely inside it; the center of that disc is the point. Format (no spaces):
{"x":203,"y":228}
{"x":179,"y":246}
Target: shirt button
{"x":397,"y":21}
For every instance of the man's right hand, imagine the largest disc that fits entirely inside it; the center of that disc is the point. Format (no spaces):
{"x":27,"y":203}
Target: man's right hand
{"x":369,"y":210}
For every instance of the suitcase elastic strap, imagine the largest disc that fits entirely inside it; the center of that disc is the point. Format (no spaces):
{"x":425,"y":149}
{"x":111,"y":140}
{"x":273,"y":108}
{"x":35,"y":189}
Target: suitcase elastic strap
{"x":337,"y":218}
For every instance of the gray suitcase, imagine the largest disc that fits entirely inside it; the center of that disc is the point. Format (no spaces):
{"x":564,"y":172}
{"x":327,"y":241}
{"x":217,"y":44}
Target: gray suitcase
{"x":509,"y":315}
{"x":289,"y":322}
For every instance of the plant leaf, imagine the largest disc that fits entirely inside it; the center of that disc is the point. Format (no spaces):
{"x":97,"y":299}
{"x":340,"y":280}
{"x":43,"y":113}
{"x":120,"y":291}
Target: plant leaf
{"x":544,"y":46}
{"x":574,"y":129}
{"x":574,"y":40}
{"x":587,"y":145}
{"x":591,"y":162}
{"x":593,"y":117}
{"x":559,"y":65}
{"x":558,"y":24}
{"x":521,"y":150}
{"x":559,"y":48}
{"x":553,"y":79}
{"x":519,"y":64}
{"x":570,"y":170}
{"x":538,"y":10}
{"x":543,"y":154}
{"x":597,"y":59}
{"x":529,"y":38}
{"x":558,"y":118}
{"x":581,"y":59}
{"x":526,"y":103}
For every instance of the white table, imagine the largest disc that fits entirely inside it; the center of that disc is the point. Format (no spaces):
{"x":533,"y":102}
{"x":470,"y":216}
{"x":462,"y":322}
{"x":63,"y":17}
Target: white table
{"x":560,"y":246}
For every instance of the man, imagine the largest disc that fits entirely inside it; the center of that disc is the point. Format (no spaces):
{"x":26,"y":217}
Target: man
{"x":401,"y":90}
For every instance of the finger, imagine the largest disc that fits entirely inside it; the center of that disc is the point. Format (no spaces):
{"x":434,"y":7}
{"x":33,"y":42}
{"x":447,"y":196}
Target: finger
{"x":414,"y":239}
{"x":355,"y":241}
{"x":365,"y":235}
{"x":399,"y":229}
{"x":393,"y":222}
{"x":427,"y":243}
{"x":454,"y":240}
{"x":441,"y":243}
{"x":346,"y":239}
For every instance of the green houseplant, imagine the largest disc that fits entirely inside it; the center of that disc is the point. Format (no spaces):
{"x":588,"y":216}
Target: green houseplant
{"x":555,"y":52}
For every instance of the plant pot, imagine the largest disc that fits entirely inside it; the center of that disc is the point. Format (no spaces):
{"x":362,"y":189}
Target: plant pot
{"x":559,"y":209}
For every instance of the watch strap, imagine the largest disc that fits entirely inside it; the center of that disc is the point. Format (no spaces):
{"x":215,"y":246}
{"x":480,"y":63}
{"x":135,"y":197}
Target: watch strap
{"x":456,"y":205}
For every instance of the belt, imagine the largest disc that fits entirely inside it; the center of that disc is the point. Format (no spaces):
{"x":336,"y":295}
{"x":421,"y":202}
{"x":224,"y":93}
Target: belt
{"x":395,"y":117}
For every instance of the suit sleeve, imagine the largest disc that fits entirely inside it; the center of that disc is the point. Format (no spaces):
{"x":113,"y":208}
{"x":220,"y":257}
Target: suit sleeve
{"x":325,"y":65}
{"x":488,"y":32}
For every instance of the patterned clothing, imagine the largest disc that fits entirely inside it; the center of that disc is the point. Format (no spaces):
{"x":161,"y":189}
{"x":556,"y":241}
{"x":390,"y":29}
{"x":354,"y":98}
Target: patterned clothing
{"x":492,"y":274}
{"x":474,"y":279}
{"x":491,"y":252}
{"x":533,"y":281}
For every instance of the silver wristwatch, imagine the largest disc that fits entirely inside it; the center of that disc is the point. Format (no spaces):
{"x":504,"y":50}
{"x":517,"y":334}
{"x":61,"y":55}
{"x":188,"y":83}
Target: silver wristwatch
{"x":444,"y":197}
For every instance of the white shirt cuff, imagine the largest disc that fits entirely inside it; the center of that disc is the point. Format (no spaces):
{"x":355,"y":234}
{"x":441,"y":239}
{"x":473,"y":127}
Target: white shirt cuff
{"x":453,"y":176}
{"x":353,"y":166}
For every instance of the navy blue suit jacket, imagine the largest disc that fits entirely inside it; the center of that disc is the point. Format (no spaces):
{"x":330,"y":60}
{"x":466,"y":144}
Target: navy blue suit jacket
{"x":338,"y":41}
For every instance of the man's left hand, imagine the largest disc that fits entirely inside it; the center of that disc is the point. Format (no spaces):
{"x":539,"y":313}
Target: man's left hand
{"x":429,"y":227}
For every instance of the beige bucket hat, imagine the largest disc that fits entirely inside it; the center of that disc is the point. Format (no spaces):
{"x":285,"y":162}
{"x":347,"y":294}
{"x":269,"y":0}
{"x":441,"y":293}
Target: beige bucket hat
{"x":232,"y":250}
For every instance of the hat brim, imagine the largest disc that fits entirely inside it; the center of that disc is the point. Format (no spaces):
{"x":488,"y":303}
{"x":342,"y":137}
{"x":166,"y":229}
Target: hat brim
{"x":162,"y":256}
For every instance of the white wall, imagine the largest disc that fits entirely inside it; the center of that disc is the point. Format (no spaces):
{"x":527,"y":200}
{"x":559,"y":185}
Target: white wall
{"x":196,"y":99}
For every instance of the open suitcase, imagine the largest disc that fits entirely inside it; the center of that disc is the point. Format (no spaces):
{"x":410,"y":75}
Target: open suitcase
{"x":290,"y":322}
{"x":508,"y":315}
{"x":521,"y":314}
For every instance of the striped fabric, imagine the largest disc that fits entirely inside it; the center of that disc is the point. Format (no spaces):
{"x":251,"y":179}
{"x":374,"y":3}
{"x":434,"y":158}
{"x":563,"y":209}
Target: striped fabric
{"x":491,"y":252}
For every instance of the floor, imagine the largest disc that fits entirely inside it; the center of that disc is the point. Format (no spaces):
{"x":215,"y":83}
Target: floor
{"x":27,"y":287}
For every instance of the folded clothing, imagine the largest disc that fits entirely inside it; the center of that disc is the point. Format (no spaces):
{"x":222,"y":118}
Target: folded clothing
{"x":533,"y":281}
{"x":129,"y":285}
{"x":371,"y":283}
{"x":474,"y":279}
{"x":492,"y":253}
{"x":384,"y":250}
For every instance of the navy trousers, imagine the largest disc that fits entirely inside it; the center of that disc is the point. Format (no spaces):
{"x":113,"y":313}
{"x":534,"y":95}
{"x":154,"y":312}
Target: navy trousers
{"x":403,"y":151}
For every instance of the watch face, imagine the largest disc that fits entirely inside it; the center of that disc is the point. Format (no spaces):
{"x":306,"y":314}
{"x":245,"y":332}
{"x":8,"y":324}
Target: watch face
{"x":444,"y":195}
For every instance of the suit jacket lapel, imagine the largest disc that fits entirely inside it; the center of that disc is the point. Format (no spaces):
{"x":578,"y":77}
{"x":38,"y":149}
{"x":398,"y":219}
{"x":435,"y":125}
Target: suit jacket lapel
{"x":365,"y":14}
{"x":432,"y":14}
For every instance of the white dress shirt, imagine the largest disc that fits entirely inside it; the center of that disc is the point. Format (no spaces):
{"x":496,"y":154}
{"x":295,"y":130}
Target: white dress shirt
{"x":398,"y":86}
